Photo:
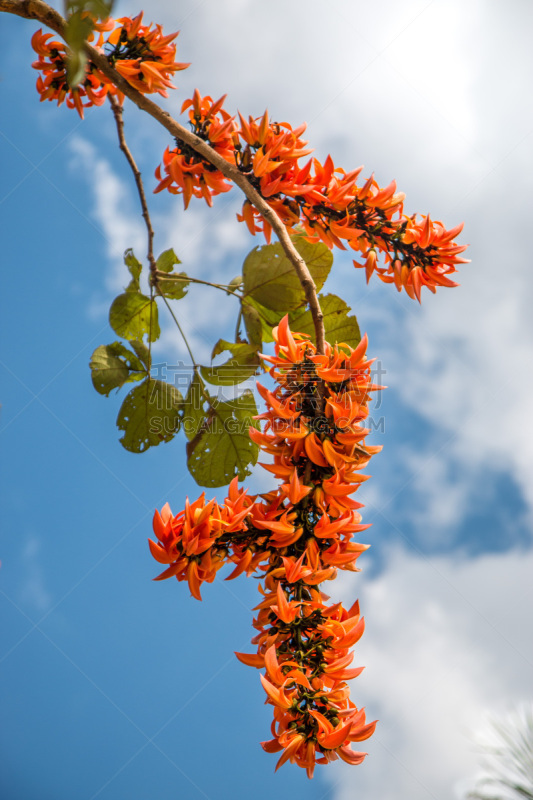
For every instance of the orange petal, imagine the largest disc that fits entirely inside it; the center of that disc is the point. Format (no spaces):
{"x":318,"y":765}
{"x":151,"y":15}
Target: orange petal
{"x":159,"y":553}
{"x":251,"y":659}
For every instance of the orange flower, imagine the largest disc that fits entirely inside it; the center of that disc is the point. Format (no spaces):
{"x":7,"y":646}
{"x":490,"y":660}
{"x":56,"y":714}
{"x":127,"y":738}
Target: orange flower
{"x":186,"y":172}
{"x":140,"y":53}
{"x":53,"y":83}
{"x":197,"y":542}
{"x":143,"y":55}
{"x":424,"y":254}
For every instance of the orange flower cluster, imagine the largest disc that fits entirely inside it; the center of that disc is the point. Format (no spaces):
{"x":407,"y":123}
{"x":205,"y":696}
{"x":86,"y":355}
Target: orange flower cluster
{"x":186,"y":171}
{"x":140,"y":53}
{"x":322,"y":199}
{"x":306,"y":653}
{"x":143,"y":55}
{"x":198,"y":541}
{"x":52,"y":84}
{"x":298,"y":535}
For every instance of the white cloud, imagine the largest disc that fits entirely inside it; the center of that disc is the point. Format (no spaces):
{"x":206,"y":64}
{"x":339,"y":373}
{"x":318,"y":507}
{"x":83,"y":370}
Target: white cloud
{"x":443,"y":492}
{"x":464,"y":363}
{"x":409,"y":88}
{"x":32,"y":592}
{"x":446,"y":641}
{"x":113,"y":208}
{"x":423,"y":91}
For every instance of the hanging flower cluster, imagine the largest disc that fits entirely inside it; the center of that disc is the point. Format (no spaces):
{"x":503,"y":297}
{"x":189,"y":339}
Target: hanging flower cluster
{"x":140,"y":53}
{"x":322,"y":199}
{"x":297,"y":535}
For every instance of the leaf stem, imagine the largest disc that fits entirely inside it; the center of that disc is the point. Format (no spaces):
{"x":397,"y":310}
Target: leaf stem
{"x":174,"y":317}
{"x":225,"y":287}
{"x":238,"y":323}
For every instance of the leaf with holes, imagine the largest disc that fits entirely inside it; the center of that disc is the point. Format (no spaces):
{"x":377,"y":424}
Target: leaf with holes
{"x":113,"y":365}
{"x":167,"y":260}
{"x":135,"y":268}
{"x":193,"y":410}
{"x":142,"y":352}
{"x":134,"y":316}
{"x":174,"y":286}
{"x":149,"y":415}
{"x":241,"y":366}
{"x":222,"y":448}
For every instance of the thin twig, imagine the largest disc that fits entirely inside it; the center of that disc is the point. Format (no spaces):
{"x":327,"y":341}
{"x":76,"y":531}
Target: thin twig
{"x":39,"y":10}
{"x":174,"y":317}
{"x":117,"y":113}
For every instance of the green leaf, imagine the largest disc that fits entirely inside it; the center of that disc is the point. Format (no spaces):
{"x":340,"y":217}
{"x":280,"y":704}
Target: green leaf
{"x":132,"y":263}
{"x":193,"y":407}
{"x":80,"y":14}
{"x":339,"y":325}
{"x":317,"y":256}
{"x":270,"y":279}
{"x":149,"y":415}
{"x":77,"y":30}
{"x":97,"y":8}
{"x":223,"y":448}
{"x":166,"y":261}
{"x":142,"y":352}
{"x":240,"y":367}
{"x":135,"y":268}
{"x":130,"y":316}
{"x":253,"y":324}
{"x":76,"y":63}
{"x":113,"y":365}
{"x":268,"y":319}
{"x":175,"y":286}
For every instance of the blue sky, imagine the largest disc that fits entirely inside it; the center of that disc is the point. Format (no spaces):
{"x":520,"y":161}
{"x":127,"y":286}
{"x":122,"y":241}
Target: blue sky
{"x":114,"y":686}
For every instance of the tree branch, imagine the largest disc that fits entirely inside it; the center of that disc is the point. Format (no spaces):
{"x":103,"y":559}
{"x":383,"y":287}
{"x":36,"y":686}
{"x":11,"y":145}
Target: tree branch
{"x":41,"y":11}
